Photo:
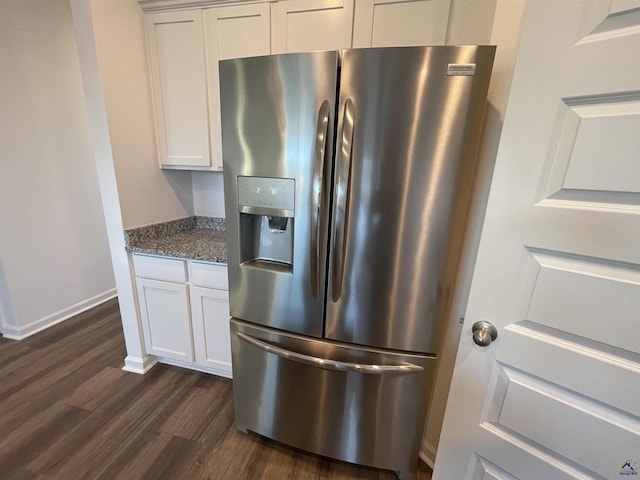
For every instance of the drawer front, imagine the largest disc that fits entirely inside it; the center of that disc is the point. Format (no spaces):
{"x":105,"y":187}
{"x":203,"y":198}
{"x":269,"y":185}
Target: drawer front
{"x":209,"y":275}
{"x":160,"y":268}
{"x":374,"y":417}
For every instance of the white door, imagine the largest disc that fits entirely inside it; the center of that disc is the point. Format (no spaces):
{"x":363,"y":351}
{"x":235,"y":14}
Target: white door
{"x":212,"y":340}
{"x":400,"y":23}
{"x":557,"y":394}
{"x":310,"y":25}
{"x":233,"y":31}
{"x":166,"y":320}
{"x":177,"y":60}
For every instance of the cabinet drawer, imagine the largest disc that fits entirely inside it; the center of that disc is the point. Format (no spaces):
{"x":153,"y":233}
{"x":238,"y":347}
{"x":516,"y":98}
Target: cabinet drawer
{"x":158,"y":268}
{"x":209,"y":275}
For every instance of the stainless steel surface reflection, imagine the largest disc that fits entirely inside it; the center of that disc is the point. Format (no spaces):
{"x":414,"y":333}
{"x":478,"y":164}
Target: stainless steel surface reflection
{"x":270,"y":127}
{"x":413,"y":141}
{"x":346,"y":180}
{"x":352,"y":412}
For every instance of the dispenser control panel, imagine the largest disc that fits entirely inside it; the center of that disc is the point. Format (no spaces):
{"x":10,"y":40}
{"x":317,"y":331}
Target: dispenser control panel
{"x":264,"y":192}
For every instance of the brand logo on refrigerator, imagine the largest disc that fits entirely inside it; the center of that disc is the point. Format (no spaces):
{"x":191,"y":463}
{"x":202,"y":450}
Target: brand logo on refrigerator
{"x":461,"y":69}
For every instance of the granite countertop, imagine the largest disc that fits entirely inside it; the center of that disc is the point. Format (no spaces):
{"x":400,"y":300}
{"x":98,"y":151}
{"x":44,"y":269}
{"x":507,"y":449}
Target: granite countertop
{"x":196,"y":238}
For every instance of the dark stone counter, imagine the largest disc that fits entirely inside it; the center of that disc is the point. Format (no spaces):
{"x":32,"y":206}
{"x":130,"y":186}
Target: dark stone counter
{"x":196,"y":238}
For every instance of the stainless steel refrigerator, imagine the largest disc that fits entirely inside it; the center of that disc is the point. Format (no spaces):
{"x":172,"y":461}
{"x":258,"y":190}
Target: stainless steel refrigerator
{"x":346,"y":178}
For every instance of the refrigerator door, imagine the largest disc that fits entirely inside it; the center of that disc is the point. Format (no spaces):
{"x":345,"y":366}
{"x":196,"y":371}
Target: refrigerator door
{"x":360,"y":405}
{"x":277,"y":139}
{"x":408,"y":127}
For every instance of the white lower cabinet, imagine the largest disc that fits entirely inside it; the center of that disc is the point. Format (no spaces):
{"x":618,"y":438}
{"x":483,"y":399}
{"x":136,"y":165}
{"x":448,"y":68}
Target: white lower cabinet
{"x":212,"y":344}
{"x":184,"y":307}
{"x":166,"y":322}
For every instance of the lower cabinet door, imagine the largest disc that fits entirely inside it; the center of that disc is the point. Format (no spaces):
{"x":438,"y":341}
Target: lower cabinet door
{"x":210,"y":310}
{"x":166,"y":319}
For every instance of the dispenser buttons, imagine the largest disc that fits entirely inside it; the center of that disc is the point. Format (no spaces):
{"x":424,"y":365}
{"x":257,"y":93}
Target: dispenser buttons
{"x":263,"y":192}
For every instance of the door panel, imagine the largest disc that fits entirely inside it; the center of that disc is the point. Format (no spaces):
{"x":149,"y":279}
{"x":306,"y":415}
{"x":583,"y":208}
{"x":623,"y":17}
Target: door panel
{"x":177,"y":61}
{"x":568,"y":431}
{"x":590,"y":129}
{"x":555,"y":396}
{"x":234,"y":31}
{"x":397,"y":23}
{"x":211,"y":329}
{"x":482,"y":469}
{"x":311,"y":25}
{"x":574,"y":294}
{"x":164,"y":308}
{"x":410,"y":132}
{"x":277,"y":125}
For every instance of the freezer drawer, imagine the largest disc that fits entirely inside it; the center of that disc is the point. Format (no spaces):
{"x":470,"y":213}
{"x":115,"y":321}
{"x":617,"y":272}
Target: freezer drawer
{"x":356,"y":404}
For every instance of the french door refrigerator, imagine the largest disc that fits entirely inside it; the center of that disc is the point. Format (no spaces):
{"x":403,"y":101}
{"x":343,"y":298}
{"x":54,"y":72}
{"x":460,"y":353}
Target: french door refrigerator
{"x":346,"y":178}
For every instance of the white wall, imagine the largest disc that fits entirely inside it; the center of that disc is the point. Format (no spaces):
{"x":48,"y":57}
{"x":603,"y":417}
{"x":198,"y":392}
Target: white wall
{"x":7,"y":312}
{"x":54,"y":259}
{"x":208,"y":194}
{"x":111,"y":46}
{"x":147,"y":193}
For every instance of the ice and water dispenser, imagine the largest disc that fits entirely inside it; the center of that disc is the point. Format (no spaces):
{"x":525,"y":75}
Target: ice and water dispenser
{"x":266,"y":211}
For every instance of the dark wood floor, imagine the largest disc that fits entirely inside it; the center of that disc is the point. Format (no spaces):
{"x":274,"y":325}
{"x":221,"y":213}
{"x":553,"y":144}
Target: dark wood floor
{"x":68,"y":411}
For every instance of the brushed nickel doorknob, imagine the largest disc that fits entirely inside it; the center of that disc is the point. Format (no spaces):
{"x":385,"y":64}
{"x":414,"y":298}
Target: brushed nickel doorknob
{"x":484,"y":333}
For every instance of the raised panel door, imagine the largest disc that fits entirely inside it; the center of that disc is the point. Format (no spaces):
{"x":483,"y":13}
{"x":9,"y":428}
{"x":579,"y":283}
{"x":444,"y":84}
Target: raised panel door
{"x":232,"y":32}
{"x":211,"y":329}
{"x":400,"y":23}
{"x":177,"y":60}
{"x":166,"y":320}
{"x":556,"y":394}
{"x":311,"y":25}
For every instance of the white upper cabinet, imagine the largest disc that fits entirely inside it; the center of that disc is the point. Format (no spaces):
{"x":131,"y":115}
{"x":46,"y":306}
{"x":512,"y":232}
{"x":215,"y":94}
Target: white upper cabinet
{"x":310,"y":25}
{"x":231,"y":32}
{"x":177,"y":60}
{"x":186,"y":45}
{"x":399,"y":23}
{"x":184,"y":49}
{"x":184,"y":308}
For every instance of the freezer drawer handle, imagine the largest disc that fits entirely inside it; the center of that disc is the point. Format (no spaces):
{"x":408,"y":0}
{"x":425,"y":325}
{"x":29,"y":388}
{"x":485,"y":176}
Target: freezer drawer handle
{"x":317,"y":196}
{"x":329,"y":364}
{"x":341,"y":198}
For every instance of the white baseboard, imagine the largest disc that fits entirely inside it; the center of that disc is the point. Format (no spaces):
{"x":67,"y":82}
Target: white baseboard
{"x":139,"y":365}
{"x":220,"y":372}
{"x":428,"y":454}
{"x":142,"y":366}
{"x":24,"y":331}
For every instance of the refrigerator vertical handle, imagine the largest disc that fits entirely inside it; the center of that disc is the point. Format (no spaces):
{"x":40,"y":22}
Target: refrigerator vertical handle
{"x":322,"y":129}
{"x":341,"y":198}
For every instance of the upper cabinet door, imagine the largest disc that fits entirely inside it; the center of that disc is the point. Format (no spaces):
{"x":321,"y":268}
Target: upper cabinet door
{"x":232,"y":32}
{"x":177,"y":60}
{"x":310,"y":25}
{"x":400,"y":23}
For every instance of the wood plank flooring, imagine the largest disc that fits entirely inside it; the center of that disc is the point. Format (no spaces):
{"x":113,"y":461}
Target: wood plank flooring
{"x":68,"y":411}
